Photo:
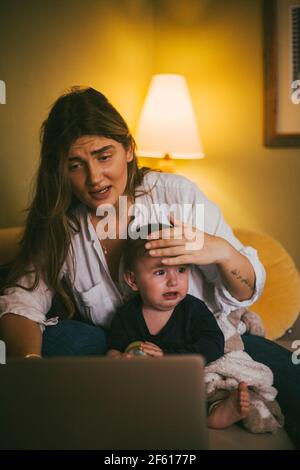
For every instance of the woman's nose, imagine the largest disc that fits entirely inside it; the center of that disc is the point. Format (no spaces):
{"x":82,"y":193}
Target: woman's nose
{"x":94,"y":174}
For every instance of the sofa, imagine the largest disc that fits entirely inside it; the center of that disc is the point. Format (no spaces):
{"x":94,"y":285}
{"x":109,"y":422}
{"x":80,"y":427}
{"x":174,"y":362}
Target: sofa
{"x":279,"y":308}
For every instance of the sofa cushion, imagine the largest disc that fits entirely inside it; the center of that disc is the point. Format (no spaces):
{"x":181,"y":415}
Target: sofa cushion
{"x":237,"y":438}
{"x":9,"y":239}
{"x":279,"y":305}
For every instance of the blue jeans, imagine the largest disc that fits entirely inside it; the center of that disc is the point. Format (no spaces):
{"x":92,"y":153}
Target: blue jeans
{"x":286,"y":379}
{"x":74,"y":338}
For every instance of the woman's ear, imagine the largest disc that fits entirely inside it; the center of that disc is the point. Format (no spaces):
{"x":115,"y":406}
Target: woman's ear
{"x":130,"y":279}
{"x":129,"y":155}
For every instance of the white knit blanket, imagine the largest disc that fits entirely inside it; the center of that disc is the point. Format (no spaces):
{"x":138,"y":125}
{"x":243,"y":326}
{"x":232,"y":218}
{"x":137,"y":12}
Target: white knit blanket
{"x":224,"y":375}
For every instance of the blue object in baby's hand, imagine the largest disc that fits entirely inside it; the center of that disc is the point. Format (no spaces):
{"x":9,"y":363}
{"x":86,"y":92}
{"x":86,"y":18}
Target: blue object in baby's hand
{"x":138,"y":352}
{"x":135,"y":349}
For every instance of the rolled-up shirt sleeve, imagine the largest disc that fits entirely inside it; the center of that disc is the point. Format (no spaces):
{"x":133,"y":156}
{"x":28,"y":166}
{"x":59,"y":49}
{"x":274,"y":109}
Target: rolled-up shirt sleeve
{"x":215,"y":224}
{"x":33,"y":305}
{"x":223,"y":297}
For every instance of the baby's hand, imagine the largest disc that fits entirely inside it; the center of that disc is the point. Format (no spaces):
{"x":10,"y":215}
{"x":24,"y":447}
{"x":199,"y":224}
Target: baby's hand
{"x":151,"y":349}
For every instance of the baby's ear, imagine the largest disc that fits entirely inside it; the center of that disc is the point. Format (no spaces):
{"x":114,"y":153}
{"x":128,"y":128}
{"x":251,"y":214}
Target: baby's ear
{"x":129,"y":278}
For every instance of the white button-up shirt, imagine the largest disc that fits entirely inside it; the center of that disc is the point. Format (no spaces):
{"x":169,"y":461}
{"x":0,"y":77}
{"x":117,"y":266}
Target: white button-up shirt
{"x":97,"y":296}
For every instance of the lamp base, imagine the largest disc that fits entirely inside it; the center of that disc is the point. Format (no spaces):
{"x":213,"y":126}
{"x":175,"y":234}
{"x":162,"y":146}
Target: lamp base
{"x":166,"y":164}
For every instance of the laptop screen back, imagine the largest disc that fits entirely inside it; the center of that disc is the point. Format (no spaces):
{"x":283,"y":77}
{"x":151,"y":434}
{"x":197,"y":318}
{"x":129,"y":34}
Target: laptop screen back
{"x":103,"y":403}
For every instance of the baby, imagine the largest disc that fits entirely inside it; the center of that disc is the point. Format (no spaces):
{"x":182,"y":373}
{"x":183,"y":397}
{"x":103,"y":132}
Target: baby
{"x":167,"y":320}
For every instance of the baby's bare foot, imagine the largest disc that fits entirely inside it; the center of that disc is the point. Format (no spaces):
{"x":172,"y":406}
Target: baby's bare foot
{"x":230,"y":410}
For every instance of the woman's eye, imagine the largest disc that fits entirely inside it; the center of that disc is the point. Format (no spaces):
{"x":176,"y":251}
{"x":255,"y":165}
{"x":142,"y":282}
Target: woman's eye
{"x":74,"y":166}
{"x":104,"y":158}
{"x":182,"y":269}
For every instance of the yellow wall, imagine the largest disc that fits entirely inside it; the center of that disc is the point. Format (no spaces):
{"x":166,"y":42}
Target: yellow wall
{"x":116,"y":46}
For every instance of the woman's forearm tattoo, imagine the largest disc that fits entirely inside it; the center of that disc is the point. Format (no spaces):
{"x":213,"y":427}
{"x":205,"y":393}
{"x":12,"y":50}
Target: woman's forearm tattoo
{"x":243,"y":280}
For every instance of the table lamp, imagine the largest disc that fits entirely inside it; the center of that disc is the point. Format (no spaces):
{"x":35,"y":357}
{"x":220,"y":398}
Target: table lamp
{"x":167,"y":126}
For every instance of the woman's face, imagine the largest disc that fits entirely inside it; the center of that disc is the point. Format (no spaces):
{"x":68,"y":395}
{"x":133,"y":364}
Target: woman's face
{"x":97,"y":168}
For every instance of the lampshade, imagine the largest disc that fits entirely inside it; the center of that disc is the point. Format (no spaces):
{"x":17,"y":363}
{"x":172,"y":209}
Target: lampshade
{"x":167,"y":125}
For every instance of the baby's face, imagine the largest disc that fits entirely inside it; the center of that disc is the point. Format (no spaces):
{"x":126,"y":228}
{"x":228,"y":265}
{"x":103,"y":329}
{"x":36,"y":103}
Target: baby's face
{"x":161,"y":287}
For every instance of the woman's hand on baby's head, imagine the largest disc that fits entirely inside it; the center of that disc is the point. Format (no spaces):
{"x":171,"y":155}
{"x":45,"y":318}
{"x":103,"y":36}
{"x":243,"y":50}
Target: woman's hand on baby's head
{"x":184,"y":244}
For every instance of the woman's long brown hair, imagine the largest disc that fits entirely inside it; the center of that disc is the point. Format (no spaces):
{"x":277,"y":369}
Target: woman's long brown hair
{"x":46,"y":241}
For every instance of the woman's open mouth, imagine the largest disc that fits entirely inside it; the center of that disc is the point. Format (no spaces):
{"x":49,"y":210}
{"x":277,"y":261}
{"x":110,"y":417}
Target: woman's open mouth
{"x":100,"y":194}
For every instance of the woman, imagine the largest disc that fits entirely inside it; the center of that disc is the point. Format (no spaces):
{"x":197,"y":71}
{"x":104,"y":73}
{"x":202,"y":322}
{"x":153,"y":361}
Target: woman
{"x":87,"y":161}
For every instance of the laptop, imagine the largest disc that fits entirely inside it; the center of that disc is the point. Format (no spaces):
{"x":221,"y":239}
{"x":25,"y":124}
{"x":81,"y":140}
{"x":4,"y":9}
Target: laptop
{"x":103,"y":403}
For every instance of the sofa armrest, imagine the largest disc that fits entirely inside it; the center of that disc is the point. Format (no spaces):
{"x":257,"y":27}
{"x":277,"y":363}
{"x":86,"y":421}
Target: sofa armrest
{"x":290,"y":336}
{"x":9,"y":240}
{"x":292,"y":333}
